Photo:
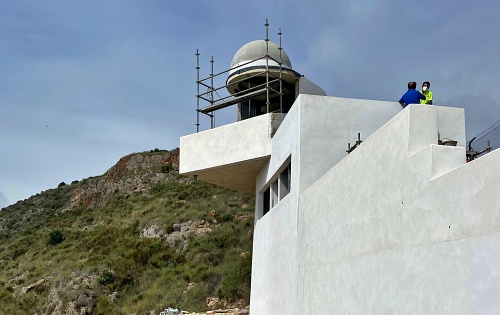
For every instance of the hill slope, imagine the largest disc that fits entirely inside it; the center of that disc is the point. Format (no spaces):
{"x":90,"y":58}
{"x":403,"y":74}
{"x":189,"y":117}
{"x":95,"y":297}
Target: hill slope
{"x":133,"y":241}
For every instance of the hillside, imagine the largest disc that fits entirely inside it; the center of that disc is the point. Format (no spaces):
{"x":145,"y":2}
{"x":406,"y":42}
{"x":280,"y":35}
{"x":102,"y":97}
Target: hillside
{"x":135,"y":240}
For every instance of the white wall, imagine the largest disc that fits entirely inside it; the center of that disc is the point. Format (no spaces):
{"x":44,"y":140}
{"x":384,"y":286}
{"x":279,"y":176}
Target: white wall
{"x":237,"y":142}
{"x":275,"y":257}
{"x":399,"y":226}
{"x":316,"y":131}
{"x":275,"y":260}
{"x":403,"y":227}
{"x":314,"y":137}
{"x":328,"y":124}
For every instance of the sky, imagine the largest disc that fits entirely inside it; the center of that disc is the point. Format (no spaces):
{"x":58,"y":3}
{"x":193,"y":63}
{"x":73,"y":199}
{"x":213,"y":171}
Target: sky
{"x":84,"y":83}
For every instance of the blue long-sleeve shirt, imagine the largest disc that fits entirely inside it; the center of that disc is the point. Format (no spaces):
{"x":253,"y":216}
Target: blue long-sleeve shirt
{"x":411,"y":97}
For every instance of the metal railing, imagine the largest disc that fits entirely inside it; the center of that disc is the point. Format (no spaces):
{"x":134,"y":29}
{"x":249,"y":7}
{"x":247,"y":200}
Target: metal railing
{"x":485,"y":142}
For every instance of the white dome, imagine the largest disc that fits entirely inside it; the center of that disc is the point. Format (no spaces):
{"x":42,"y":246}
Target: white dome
{"x":257,"y":49}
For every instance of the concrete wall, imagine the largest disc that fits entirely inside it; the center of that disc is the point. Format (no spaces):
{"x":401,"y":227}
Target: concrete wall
{"x":316,"y":131}
{"x":328,"y":124}
{"x":241,"y":141}
{"x":232,"y":155}
{"x":399,"y":226}
{"x":403,"y":226}
{"x":314,"y":137}
{"x":275,"y":244}
{"x":275,"y":260}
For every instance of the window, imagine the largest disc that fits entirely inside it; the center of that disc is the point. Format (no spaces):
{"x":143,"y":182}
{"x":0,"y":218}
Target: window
{"x":278,"y":189}
{"x":274,"y":193}
{"x":266,"y":206}
{"x":285,"y":181}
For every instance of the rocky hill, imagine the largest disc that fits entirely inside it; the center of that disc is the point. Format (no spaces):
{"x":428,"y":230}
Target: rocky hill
{"x":135,"y":240}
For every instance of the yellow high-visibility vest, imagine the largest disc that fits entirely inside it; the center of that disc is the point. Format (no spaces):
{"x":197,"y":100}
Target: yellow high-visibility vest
{"x":428,"y":97}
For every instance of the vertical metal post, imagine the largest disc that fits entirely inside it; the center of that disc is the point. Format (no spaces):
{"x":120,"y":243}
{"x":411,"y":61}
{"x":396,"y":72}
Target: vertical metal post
{"x":281,"y":84}
{"x":212,"y":117}
{"x":249,"y":101}
{"x":267,"y":66}
{"x":197,"y":91}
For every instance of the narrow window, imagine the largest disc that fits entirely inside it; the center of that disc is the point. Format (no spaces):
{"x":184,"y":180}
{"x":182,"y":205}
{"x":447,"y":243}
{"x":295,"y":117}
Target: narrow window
{"x":285,"y":182}
{"x":274,"y":193}
{"x":289,"y":171}
{"x":266,"y":202}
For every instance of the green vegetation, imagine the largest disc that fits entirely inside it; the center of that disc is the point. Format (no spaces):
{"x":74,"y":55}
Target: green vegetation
{"x":55,"y":237}
{"x":100,"y":254}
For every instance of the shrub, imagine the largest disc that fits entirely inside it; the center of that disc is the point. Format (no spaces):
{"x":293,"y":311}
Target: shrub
{"x":134,"y":229}
{"x":55,"y":237}
{"x":169,"y":186}
{"x":106,"y":278}
{"x":167,"y":168}
{"x":236,"y":284}
{"x":227,"y":217}
{"x":195,"y":298}
{"x":104,"y":306}
{"x":224,"y":236}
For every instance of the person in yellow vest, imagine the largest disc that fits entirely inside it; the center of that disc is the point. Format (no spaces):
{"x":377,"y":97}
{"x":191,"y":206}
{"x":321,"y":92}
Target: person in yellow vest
{"x":427,"y":93}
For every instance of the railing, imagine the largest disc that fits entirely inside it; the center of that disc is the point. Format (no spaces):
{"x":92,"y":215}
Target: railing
{"x":484,"y":142}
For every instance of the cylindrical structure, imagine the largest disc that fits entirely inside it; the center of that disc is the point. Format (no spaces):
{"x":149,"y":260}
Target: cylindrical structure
{"x":263,"y":69}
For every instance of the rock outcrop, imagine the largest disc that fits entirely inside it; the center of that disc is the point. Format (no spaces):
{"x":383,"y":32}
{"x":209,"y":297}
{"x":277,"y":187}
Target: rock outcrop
{"x":131,"y":174}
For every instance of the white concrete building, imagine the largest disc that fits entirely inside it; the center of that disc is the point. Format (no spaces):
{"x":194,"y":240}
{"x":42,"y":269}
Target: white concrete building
{"x":401,"y":225}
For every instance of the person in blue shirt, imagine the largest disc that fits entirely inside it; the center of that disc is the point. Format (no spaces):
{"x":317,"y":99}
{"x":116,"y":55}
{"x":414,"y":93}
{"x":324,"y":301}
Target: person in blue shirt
{"x":412,"y":96}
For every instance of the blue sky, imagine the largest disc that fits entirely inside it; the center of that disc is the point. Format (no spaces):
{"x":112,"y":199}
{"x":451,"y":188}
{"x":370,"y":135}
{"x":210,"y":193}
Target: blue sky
{"x":83,"y":83}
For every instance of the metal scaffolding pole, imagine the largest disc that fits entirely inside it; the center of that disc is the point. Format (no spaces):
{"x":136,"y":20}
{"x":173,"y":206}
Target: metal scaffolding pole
{"x":267,"y":66}
{"x":245,"y":90}
{"x":249,"y":102}
{"x":211,"y":96}
{"x":281,"y":82}
{"x":197,"y":91}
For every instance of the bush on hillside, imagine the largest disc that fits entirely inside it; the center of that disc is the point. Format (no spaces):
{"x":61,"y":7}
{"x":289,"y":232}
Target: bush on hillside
{"x":167,"y":168}
{"x":55,"y":237}
{"x":236,"y":285}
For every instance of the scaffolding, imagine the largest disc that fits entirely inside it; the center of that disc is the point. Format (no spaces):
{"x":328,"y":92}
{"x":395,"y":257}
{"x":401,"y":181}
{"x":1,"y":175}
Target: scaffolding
{"x":273,"y":86}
